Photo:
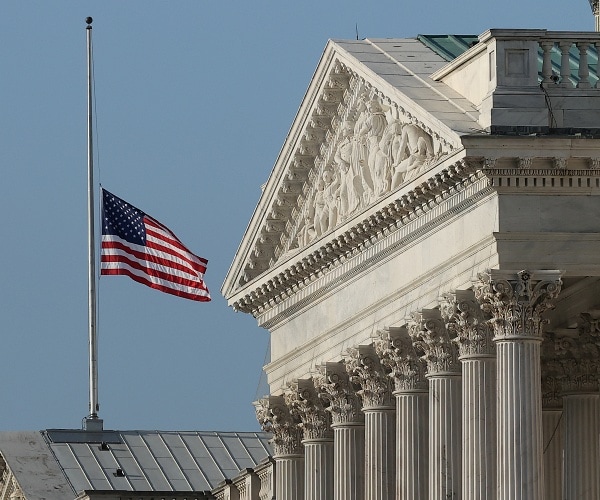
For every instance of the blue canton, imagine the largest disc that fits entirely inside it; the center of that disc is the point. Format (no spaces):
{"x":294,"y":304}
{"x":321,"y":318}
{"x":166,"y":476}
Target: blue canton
{"x":121,"y":219}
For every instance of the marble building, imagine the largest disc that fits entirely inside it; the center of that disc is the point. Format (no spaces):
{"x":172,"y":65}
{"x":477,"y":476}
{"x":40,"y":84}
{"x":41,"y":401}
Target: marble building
{"x":426,"y":258}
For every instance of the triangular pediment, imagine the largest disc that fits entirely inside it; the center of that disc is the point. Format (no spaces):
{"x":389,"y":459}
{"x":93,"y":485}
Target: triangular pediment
{"x":370,"y":123}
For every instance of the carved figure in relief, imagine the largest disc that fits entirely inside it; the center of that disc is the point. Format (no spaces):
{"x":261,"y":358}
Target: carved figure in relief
{"x":416,"y":151}
{"x":368,"y":132}
{"x":385,"y":158}
{"x":350,"y":190}
{"x":319,"y":208}
{"x":330,"y":196}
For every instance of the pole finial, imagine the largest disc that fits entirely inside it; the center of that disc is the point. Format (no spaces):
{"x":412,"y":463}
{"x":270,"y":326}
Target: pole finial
{"x":88,"y":20}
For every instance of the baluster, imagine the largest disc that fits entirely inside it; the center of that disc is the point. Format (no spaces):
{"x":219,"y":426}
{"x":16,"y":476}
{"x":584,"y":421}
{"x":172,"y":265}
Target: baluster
{"x":597,"y":67}
{"x":547,"y":62}
{"x":584,"y":70}
{"x":565,"y":66}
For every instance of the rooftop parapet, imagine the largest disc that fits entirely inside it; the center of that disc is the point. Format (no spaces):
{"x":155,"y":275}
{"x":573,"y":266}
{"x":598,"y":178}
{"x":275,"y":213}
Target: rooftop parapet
{"x":531,"y":81}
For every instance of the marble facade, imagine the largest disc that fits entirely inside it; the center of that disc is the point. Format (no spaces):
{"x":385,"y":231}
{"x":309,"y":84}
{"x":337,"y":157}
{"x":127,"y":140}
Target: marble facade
{"x":425,"y":258}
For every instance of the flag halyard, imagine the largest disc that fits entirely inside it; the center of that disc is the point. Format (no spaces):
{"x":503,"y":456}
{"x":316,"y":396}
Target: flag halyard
{"x":137,"y":245}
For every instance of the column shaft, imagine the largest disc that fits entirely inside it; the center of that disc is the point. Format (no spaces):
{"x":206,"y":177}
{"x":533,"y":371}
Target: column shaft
{"x":553,"y":453}
{"x":479,"y":428}
{"x":318,"y":455}
{"x":349,"y":461}
{"x":445,"y":440}
{"x":289,"y":482}
{"x":380,"y":457}
{"x":582,"y":470}
{"x":520,"y":472}
{"x":412,"y":438}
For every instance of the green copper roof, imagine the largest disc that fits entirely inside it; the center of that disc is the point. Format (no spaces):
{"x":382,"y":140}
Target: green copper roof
{"x":451,"y":46}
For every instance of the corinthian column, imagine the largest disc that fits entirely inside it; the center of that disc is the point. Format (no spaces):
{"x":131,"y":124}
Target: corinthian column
{"x":477,"y":353}
{"x":334,"y":386}
{"x":396,"y":351}
{"x":274,"y":417}
{"x":430,"y":335}
{"x":365,"y":370}
{"x":303,"y":401}
{"x":517,"y":301}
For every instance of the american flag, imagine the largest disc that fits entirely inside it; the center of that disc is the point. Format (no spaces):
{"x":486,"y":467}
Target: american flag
{"x":136,"y":245}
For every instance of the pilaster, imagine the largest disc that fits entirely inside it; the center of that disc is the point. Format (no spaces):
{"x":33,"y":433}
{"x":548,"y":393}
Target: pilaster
{"x":365,"y":370}
{"x":517,"y":302}
{"x":429,"y":334}
{"x":473,"y":335}
{"x":274,"y":417}
{"x":334,"y":386}
{"x":396,"y":351}
{"x":552,"y":423}
{"x":578,"y":358}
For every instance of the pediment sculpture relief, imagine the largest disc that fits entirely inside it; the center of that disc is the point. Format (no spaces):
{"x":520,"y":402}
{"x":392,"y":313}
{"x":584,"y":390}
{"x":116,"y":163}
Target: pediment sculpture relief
{"x":376,"y":152}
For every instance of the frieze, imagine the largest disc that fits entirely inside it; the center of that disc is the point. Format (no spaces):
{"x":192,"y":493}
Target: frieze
{"x":357,"y":147}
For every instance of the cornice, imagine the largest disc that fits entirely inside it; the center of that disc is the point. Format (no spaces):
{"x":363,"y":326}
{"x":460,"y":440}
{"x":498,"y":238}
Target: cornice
{"x":349,"y":250}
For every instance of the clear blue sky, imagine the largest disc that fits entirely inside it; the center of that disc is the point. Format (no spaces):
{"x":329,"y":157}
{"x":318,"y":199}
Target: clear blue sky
{"x":194,"y":100}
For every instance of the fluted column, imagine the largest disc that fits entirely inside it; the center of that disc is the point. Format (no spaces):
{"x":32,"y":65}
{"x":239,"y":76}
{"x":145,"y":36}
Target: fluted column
{"x":365,"y":369}
{"x":303,"y":402}
{"x":473,"y":335}
{"x":334,"y":386}
{"x":430,"y":335}
{"x":395,"y":349}
{"x":517,"y":301}
{"x":274,"y":417}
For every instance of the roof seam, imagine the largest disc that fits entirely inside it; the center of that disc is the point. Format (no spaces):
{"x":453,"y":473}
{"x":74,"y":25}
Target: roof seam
{"x":424,"y":82}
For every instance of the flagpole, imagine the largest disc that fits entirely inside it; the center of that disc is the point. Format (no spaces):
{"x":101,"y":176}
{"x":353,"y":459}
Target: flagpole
{"x":91,"y":422}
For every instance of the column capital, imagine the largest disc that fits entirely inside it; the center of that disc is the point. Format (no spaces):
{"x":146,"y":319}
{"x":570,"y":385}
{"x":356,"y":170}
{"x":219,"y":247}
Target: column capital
{"x":334,"y":386}
{"x":274,"y":417}
{"x":517,"y":300}
{"x":429,"y":334}
{"x":303,"y":402}
{"x":396,"y":351}
{"x":365,"y":370}
{"x":468,"y":324}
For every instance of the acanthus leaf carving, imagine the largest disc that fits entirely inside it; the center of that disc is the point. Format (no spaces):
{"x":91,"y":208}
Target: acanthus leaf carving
{"x":472,"y":331}
{"x":396,"y":351}
{"x":429,"y":334}
{"x":303,"y":401}
{"x":334,"y":386}
{"x":274,"y":417}
{"x":365,"y":370}
{"x":517,"y":300}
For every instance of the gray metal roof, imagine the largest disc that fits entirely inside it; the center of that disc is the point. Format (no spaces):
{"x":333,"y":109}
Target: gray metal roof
{"x":58,"y":464}
{"x":154,"y":460}
{"x":407,"y":65}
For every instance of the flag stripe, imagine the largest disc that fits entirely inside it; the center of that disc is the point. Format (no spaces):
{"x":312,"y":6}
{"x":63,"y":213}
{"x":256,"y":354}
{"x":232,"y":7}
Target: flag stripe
{"x":188,"y":293}
{"x":153,"y":227}
{"x":112,"y":246}
{"x":112,"y":261}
